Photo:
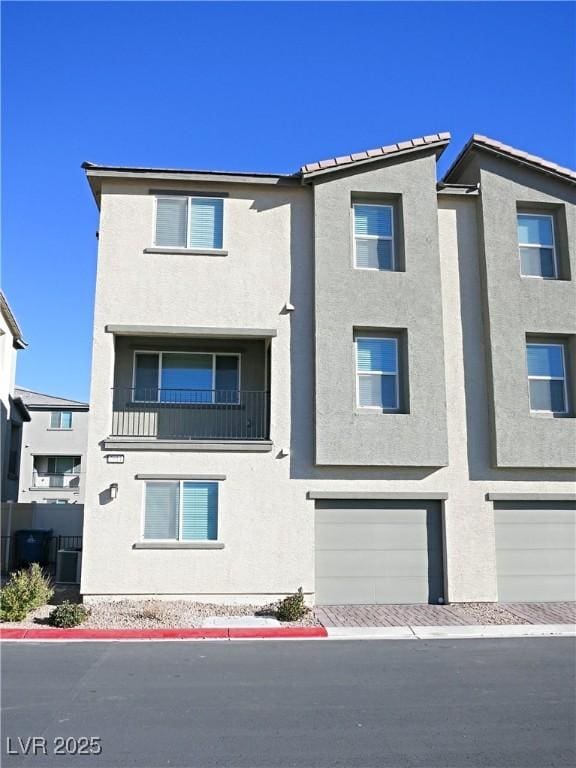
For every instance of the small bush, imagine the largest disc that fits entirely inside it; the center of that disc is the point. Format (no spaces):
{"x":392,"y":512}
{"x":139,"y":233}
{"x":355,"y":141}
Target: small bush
{"x":26,"y":590}
{"x":68,"y":615}
{"x":40,"y":586}
{"x":293,"y":607}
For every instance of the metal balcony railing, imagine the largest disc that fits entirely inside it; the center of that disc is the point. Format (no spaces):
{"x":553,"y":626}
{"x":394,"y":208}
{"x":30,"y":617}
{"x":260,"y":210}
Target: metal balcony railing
{"x":190,"y":414}
{"x":55,"y":480}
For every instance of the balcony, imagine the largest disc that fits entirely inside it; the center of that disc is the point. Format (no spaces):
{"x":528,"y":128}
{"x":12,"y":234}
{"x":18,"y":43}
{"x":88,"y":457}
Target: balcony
{"x":190,"y":414}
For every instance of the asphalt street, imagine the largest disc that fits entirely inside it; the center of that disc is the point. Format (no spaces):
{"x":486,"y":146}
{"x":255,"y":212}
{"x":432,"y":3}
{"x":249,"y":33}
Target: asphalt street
{"x":303,"y":704}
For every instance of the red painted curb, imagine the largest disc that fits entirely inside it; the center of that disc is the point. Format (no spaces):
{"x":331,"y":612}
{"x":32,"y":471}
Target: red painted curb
{"x":278,"y":632}
{"x":207,"y":633}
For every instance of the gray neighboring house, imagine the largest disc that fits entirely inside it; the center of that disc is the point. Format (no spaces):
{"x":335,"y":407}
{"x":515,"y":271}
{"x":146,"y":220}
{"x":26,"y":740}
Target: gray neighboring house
{"x":352,"y":378}
{"x":13,"y":412}
{"x":53,"y":456}
{"x":49,"y":492}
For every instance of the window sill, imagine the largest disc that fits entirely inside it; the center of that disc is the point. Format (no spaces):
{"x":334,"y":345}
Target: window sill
{"x":178,"y":545}
{"x":59,"y":429}
{"x":187,"y":251}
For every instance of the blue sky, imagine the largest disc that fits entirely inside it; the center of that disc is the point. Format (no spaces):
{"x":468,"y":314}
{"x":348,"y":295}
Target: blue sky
{"x":240,"y":86}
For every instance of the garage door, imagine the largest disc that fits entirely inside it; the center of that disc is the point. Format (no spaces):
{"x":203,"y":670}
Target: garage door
{"x":378,"y":552}
{"x":535,"y":551}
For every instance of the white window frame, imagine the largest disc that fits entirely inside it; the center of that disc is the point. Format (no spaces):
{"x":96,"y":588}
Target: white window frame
{"x":373,"y":237}
{"x":55,"y":501}
{"x":538,"y":245}
{"x":359,"y":373}
{"x":65,"y":429}
{"x":213,"y":401}
{"x":188,"y":198}
{"x":180,"y":483}
{"x":548,"y":378}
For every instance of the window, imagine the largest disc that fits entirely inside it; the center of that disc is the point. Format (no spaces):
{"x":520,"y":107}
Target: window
{"x":189,"y":222}
{"x":61,"y":420}
{"x":547,"y":377}
{"x":537,"y":245}
{"x":55,"y":501}
{"x":377,"y":373}
{"x":187,"y":377}
{"x":181,"y":510}
{"x":373,"y":236}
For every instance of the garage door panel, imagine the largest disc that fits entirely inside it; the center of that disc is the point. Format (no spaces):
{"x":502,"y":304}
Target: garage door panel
{"x":386,"y":563}
{"x":378,"y":552}
{"x":543,"y":517}
{"x":535,"y":536}
{"x":536,"y":562}
{"x":535,"y":551}
{"x":513,"y":589}
{"x":370,"y":514}
{"x":344,"y":536}
{"x":340,"y":591}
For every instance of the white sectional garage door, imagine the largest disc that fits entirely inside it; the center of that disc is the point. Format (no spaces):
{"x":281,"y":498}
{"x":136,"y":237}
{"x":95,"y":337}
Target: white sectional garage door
{"x":378,"y":552}
{"x":535,"y":551}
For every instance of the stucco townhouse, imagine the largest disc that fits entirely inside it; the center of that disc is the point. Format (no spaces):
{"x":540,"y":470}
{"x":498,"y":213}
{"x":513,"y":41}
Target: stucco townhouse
{"x":351,"y":378}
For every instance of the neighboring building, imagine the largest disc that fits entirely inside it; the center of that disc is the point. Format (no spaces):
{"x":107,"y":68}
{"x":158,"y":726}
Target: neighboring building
{"x":351,"y":379}
{"x":13,"y":412}
{"x":53,"y":458}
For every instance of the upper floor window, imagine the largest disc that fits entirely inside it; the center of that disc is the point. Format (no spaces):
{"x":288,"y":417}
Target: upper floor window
{"x":547,"y":377}
{"x":374,"y":236}
{"x":189,"y":222}
{"x":61,"y":420}
{"x":187,"y":377}
{"x":377,"y":373}
{"x":538,"y":256}
{"x":181,"y":511}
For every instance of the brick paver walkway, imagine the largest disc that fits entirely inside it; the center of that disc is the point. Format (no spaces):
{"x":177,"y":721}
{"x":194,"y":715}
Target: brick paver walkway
{"x":441,"y":615}
{"x":544,"y":613}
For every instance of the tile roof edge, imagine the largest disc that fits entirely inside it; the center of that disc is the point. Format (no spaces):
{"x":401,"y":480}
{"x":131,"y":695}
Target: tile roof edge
{"x":418,"y":144}
{"x":514,"y":154}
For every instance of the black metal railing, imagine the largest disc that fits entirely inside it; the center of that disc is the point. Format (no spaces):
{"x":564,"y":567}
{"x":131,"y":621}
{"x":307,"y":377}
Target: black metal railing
{"x":190,"y":414}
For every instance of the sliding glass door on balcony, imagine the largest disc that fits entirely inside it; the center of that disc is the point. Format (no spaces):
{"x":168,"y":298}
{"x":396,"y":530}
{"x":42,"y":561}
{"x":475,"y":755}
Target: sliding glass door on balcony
{"x":186,"y":377}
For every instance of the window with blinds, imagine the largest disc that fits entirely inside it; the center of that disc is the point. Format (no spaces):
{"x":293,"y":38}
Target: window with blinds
{"x":377,"y":373}
{"x":547,"y":377}
{"x":189,"y":222}
{"x":181,"y":510}
{"x":373,"y":236}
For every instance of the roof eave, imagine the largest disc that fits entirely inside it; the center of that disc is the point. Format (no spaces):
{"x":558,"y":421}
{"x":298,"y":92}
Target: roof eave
{"x":473,"y":145}
{"x":437,"y":148}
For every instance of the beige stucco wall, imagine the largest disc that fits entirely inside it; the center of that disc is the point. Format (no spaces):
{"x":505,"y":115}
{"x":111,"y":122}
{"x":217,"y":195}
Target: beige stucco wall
{"x":265,"y":521}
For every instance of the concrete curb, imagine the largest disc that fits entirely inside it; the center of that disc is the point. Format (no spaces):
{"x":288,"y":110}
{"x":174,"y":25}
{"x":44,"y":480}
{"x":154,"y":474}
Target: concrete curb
{"x":454,"y":632}
{"x":202,"y":633}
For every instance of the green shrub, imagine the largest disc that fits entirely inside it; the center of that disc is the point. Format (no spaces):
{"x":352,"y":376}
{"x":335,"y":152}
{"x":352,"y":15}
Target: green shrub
{"x":68,"y":615}
{"x":293,"y":607}
{"x":26,"y":590}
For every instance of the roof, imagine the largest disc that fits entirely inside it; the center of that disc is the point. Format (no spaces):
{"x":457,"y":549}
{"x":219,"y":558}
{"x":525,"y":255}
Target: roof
{"x":34,"y":399}
{"x":95,"y":172}
{"x":437,"y":141}
{"x":18,"y":341}
{"x":478,"y":141}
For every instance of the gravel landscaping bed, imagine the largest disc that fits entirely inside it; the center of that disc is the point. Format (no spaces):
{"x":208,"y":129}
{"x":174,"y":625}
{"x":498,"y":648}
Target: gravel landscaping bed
{"x":157,"y":614}
{"x":487,"y":613}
